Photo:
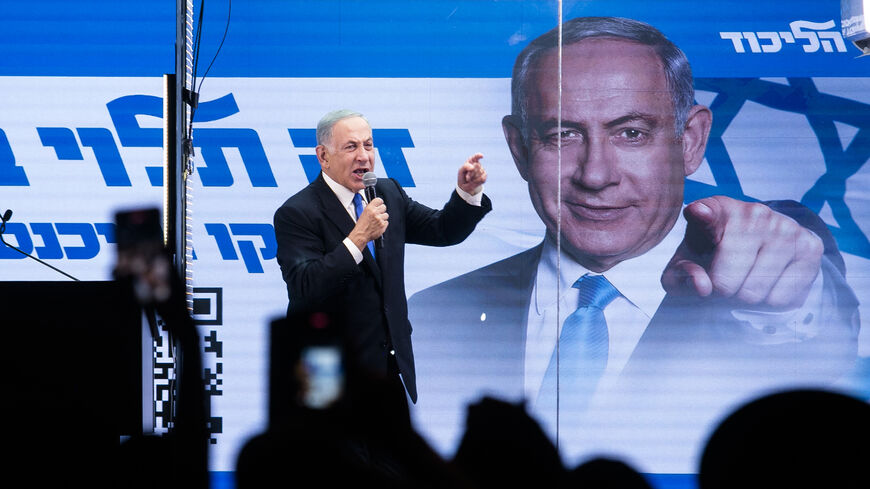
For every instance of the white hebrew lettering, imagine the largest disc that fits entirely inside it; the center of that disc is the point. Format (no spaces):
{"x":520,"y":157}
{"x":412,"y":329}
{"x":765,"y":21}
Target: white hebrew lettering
{"x":753,"y":42}
{"x":817,"y":35}
{"x":775,"y":44}
{"x":834,"y":36}
{"x":736,"y":38}
{"x":798,"y":26}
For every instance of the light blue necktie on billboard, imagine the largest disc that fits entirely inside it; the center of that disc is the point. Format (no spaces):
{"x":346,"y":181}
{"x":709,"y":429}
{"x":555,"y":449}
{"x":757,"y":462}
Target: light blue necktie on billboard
{"x":583,"y":346}
{"x":358,"y":207}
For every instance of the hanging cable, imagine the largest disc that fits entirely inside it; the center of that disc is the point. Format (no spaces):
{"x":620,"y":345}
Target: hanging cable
{"x":194,"y":96}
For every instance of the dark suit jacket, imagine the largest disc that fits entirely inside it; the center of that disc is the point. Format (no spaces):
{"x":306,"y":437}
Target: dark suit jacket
{"x":471,"y":330}
{"x":367,"y":301}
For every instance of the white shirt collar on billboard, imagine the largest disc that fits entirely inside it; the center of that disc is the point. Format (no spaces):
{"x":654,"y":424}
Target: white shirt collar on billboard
{"x":638,"y":281}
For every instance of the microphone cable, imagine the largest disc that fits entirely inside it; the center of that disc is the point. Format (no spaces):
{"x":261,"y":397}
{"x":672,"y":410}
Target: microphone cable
{"x":8,"y":215}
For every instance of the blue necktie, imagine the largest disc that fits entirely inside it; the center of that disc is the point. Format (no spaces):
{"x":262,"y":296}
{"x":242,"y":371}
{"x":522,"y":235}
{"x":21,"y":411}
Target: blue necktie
{"x":358,"y":207}
{"x":583,"y":346}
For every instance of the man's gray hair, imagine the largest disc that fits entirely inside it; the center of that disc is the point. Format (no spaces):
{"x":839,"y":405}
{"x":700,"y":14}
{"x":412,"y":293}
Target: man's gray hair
{"x":678,"y":73}
{"x":327,"y":122}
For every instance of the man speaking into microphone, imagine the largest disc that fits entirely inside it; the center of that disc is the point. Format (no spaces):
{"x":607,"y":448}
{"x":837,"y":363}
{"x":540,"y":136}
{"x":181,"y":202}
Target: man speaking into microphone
{"x":324,"y":234}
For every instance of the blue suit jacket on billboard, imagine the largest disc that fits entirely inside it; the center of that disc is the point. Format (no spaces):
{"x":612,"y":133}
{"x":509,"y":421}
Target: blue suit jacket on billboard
{"x":470,"y":337}
{"x":368,"y":300}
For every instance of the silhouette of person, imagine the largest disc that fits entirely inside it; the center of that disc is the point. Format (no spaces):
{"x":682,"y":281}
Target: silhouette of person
{"x":503,"y":446}
{"x":795,"y":439}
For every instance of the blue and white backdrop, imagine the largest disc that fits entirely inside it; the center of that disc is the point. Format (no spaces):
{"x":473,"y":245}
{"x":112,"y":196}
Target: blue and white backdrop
{"x":80,"y":118}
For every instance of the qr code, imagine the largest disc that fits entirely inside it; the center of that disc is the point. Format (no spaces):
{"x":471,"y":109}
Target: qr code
{"x":208,"y":315}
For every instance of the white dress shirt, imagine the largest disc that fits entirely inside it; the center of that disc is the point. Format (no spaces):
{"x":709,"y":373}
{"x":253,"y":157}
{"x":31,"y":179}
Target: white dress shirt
{"x":639,"y":282}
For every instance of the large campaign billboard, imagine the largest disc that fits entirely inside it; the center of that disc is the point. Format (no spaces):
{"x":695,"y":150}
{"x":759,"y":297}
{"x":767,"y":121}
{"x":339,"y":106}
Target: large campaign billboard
{"x":789,"y":107}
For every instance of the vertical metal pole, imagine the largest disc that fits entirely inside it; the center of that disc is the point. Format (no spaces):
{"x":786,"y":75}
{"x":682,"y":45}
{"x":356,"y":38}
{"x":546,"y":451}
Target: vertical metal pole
{"x":183,"y":246}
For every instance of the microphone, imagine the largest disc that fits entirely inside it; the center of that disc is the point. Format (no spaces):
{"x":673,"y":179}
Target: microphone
{"x":8,"y":215}
{"x":369,"y":180}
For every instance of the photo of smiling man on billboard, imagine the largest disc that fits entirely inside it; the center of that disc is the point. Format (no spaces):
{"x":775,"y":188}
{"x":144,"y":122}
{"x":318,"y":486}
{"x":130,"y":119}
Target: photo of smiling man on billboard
{"x":638,"y":320}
